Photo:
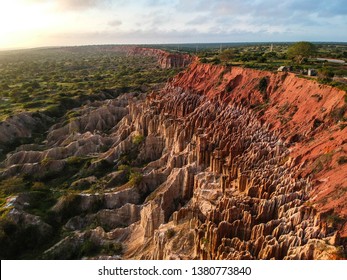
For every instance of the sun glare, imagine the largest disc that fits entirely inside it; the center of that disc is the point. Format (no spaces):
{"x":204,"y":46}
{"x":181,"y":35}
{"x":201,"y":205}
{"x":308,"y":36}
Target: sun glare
{"x":21,"y":23}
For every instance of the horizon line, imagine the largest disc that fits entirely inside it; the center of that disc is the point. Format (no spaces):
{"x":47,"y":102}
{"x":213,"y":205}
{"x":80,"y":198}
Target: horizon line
{"x":165,"y":44}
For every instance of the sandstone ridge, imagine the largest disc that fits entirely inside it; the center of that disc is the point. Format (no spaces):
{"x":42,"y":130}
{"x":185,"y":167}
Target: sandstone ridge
{"x":165,"y":59}
{"x":229,"y":169}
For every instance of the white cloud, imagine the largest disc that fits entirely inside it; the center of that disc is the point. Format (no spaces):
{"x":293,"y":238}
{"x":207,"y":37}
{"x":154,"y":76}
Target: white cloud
{"x":116,"y":21}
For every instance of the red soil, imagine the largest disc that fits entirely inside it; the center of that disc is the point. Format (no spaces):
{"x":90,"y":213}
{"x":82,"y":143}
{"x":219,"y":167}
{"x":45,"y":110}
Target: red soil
{"x":303,"y":112}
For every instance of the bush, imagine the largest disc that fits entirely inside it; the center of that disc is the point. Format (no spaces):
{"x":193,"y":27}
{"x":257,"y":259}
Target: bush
{"x":325,"y":75}
{"x":262,"y":84}
{"x":338,"y":113}
{"x":53,"y":111}
{"x":262,"y":87}
{"x":74,"y":160}
{"x":342,"y":160}
{"x":135,"y":178}
{"x":138,"y":139}
{"x":112,"y":249}
{"x":261,"y":59}
{"x":227,"y":55}
{"x":13,"y":185}
{"x":124,"y":167}
{"x":88,"y":249}
{"x":69,"y":206}
{"x":334,"y":219}
{"x":16,"y":240}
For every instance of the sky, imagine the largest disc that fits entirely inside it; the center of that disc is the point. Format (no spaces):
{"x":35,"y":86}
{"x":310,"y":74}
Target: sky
{"x":38,"y":23}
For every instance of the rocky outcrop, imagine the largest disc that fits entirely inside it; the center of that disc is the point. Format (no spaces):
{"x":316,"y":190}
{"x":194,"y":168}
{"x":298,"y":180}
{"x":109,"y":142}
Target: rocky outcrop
{"x":165,"y":59}
{"x":249,"y":198}
{"x":21,"y":125}
{"x":306,"y":115}
{"x":224,"y":169}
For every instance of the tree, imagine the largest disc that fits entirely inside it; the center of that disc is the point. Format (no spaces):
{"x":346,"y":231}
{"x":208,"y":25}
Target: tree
{"x":325,"y":75}
{"x":227,"y":55}
{"x":301,"y":51}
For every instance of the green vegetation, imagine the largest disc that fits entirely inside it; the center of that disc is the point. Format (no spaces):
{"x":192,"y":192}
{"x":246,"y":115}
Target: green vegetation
{"x":138,"y":139}
{"x":55,"y":80}
{"x":325,"y":75}
{"x":51,"y":84}
{"x":89,"y":249}
{"x":135,"y":178}
{"x":301,"y":51}
{"x":262,"y":87}
{"x":15,"y":239}
{"x":13,"y":186}
{"x":338,"y":113}
{"x":334,"y":219}
{"x":298,"y":57}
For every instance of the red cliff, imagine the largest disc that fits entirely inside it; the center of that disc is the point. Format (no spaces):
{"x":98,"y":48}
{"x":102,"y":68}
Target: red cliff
{"x":165,"y":59}
{"x":309,"y":116}
{"x":232,"y":163}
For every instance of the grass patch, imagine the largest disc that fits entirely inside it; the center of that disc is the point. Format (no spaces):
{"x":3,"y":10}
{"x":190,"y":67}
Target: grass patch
{"x":13,"y":185}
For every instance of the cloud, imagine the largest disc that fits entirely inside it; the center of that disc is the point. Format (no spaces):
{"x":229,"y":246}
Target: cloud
{"x":115,"y":23}
{"x":81,"y":4}
{"x":163,"y":21}
{"x":76,"y":5}
{"x":199,"y":20}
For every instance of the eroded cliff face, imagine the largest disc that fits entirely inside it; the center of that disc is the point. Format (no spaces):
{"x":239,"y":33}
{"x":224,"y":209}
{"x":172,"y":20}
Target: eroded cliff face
{"x":237,"y":188}
{"x":306,"y":115}
{"x":165,"y":59}
{"x":230,"y":169}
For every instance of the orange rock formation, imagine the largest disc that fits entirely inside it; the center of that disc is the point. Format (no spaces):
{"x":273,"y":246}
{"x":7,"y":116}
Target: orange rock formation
{"x":242,"y":164}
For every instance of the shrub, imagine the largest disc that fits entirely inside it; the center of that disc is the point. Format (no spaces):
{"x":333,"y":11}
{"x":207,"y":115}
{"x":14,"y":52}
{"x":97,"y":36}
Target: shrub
{"x":112,"y":248}
{"x":69,"y":206}
{"x":325,"y":75}
{"x":338,"y":113}
{"x":53,"y":111}
{"x":135,"y":178}
{"x":334,"y":219}
{"x":13,"y":185}
{"x":342,"y":160}
{"x":262,"y":87}
{"x":88,"y":249}
{"x":262,"y":84}
{"x":46,"y":161}
{"x":138,"y":139}
{"x":15,"y":240}
{"x":75,"y":160}
{"x":261,"y":59}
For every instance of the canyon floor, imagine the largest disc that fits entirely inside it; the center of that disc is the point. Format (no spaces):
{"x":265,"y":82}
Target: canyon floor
{"x":216,"y":163}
